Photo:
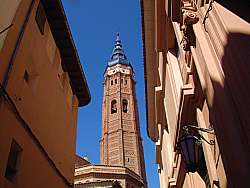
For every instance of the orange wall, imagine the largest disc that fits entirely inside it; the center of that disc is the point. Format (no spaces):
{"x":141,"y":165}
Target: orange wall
{"x":34,"y":169}
{"x":44,"y":102}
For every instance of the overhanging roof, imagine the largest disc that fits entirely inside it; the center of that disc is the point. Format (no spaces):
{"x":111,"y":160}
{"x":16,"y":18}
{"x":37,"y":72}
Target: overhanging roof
{"x":70,"y":60}
{"x":149,"y":53}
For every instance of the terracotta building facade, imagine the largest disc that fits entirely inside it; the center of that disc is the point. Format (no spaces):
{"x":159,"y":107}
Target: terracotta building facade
{"x":196,"y":55}
{"x":42,"y":84}
{"x":121,"y":150}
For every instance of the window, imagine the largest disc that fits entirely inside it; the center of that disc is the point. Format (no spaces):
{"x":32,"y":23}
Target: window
{"x":13,"y":160}
{"x":124,"y":105}
{"x":121,"y":81}
{"x":111,"y":82}
{"x":40,"y":18}
{"x":126,"y":82}
{"x":115,"y":81}
{"x":113,"y":106}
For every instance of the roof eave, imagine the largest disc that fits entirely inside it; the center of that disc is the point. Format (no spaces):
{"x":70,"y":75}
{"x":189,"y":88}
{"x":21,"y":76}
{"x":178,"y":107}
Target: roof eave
{"x":149,"y":54}
{"x":64,"y":41}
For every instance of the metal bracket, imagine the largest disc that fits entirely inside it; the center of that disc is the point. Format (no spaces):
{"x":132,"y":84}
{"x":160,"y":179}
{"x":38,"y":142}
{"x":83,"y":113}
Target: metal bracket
{"x":207,"y":130}
{"x":210,"y":142}
{"x":200,"y":137}
{"x":210,"y":7}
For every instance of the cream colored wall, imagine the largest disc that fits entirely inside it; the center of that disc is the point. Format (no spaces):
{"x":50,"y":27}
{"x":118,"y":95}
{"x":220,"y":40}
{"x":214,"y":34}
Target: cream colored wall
{"x":44,"y":104}
{"x":216,"y":171}
{"x":167,"y":174}
{"x":167,"y":154}
{"x":173,"y":75}
{"x":233,"y":22}
{"x":193,"y":180}
{"x":171,"y":97}
{"x":226,"y":91}
{"x":95,"y":179}
{"x":92,"y":173}
{"x":125,"y":183}
{"x":162,"y":178}
{"x":167,"y":161}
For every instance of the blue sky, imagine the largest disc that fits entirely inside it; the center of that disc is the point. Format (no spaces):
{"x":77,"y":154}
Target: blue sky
{"x":94,"y":25}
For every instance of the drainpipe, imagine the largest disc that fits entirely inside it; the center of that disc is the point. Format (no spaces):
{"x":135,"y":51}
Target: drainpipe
{"x":17,"y":45}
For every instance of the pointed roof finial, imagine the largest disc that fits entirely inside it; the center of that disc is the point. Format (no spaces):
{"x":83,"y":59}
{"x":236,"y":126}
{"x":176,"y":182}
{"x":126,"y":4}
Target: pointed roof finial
{"x":118,"y":37}
{"x":118,"y":55}
{"x":118,"y":52}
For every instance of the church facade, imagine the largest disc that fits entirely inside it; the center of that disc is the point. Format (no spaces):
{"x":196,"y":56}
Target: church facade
{"x":121,"y":150}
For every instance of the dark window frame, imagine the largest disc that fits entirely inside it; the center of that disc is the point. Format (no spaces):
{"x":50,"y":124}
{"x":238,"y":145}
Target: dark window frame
{"x":113,"y":106}
{"x":13,"y":160}
{"x":125,"y":105}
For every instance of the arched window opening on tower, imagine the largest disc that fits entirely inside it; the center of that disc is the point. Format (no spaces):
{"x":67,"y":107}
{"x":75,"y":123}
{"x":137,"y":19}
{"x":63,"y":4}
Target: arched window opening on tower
{"x":124,"y":105}
{"x":113,"y":106}
{"x":126,"y":81}
{"x":111,"y":82}
{"x":115,"y":81}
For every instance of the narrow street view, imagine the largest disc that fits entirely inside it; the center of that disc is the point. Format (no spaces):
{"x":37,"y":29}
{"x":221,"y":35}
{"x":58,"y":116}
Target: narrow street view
{"x":124,"y":94}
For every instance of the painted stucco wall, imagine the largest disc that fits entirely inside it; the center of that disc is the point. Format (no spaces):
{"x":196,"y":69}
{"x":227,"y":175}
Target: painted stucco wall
{"x":45,"y":101}
{"x":7,"y":13}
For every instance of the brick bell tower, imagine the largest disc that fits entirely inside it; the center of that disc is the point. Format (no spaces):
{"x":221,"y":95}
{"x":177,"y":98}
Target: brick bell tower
{"x":121,"y":143}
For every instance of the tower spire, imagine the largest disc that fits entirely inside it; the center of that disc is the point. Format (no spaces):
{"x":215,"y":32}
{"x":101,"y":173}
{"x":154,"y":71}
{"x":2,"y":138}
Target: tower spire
{"x":118,"y":55}
{"x":118,"y":37}
{"x":121,"y":143}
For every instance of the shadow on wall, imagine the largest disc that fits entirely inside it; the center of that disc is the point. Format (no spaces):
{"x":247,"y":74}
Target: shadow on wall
{"x":239,"y":7}
{"x":231,"y":110}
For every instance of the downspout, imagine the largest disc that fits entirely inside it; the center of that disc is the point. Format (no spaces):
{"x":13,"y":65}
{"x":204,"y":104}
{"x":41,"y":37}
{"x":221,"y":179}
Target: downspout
{"x":17,"y":45}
